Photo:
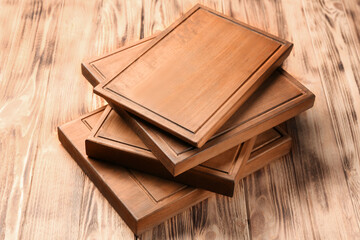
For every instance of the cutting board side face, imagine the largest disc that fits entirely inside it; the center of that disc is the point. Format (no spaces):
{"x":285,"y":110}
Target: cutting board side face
{"x":143,"y":201}
{"x":190,"y":77}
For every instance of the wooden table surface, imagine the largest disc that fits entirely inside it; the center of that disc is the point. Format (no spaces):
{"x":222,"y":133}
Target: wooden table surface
{"x":314,"y":193}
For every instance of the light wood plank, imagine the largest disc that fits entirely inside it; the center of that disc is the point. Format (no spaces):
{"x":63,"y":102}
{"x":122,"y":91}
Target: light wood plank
{"x":332,"y":36}
{"x":62,"y":211}
{"x":352,"y":9}
{"x":22,"y":67}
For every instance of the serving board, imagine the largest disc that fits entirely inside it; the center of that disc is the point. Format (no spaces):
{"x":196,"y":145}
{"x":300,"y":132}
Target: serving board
{"x":143,"y":201}
{"x":280,"y":98}
{"x":193,"y":76}
{"x":113,"y":140}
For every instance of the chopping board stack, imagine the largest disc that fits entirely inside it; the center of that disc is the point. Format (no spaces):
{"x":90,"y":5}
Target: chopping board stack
{"x":190,"y":111}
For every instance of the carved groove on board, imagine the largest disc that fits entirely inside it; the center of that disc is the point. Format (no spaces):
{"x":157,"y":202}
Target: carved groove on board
{"x":98,"y":71}
{"x":120,"y":50}
{"x":114,"y":140}
{"x":150,"y":194}
{"x":85,"y":119}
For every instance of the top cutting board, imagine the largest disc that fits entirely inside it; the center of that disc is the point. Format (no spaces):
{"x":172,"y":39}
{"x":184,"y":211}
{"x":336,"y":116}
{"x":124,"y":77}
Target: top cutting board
{"x":194,"y":75}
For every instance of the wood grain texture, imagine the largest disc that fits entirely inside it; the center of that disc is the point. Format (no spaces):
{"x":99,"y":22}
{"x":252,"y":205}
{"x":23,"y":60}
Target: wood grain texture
{"x":195,"y":74}
{"x":312,"y":194}
{"x":315,"y":184}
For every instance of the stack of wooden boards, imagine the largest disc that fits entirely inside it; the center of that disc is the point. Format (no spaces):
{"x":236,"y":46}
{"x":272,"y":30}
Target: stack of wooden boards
{"x":191,"y":111}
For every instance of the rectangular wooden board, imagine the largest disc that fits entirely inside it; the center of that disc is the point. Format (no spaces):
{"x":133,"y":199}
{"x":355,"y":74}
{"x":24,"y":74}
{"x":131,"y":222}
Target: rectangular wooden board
{"x":280,"y":98}
{"x":193,"y":76}
{"x":113,"y":140}
{"x":142,"y":200}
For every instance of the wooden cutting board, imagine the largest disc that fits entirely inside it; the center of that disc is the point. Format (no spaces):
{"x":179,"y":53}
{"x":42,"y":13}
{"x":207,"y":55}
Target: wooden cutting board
{"x":142,"y":200}
{"x":280,"y":98}
{"x":113,"y":140}
{"x":193,"y":76}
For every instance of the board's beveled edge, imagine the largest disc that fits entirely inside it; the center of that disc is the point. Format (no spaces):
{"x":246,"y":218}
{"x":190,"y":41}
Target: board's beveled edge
{"x":95,"y":134}
{"x":242,"y":157}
